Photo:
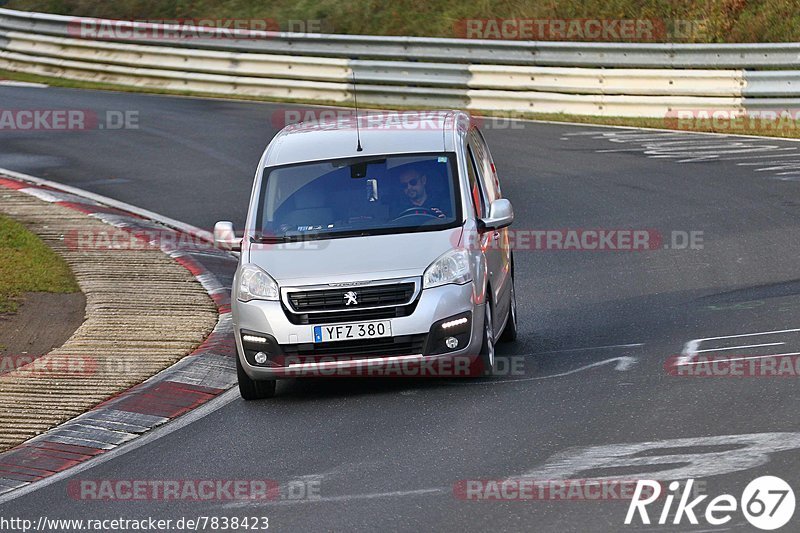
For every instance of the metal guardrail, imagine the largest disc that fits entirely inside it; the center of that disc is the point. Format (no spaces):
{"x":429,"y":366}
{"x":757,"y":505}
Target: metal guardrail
{"x":544,"y":53}
{"x":770,"y":84}
{"x":551,"y":77}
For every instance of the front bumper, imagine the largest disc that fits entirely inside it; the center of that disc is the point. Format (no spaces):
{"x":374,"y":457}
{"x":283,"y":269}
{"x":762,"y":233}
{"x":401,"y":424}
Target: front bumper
{"x":410,"y":333}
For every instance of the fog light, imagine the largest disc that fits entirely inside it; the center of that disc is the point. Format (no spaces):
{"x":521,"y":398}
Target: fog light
{"x":254,"y":338}
{"x":451,"y":342}
{"x":261,"y":358}
{"x":454,"y":323}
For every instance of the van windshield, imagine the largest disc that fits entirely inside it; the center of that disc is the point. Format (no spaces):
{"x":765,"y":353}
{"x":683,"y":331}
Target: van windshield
{"x":359,"y":196}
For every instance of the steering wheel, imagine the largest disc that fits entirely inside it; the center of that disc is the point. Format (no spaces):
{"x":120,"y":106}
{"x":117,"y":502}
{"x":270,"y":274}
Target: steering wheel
{"x":416,"y":211}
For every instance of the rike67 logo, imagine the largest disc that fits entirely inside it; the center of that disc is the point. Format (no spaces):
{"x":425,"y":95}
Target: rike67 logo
{"x":767,"y":503}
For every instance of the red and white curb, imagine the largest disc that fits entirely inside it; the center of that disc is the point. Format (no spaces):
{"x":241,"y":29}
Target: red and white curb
{"x":194,"y":380}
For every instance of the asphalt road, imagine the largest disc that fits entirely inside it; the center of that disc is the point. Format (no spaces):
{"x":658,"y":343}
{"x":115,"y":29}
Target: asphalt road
{"x":597,"y":328}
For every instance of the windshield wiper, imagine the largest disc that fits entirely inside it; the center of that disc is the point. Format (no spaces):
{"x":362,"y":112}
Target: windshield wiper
{"x":273,"y":239}
{"x":278,"y":239}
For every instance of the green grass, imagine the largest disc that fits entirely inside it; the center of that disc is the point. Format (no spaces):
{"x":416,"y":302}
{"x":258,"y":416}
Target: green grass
{"x":718,"y":20}
{"x":790,"y":130}
{"x":28,"y":265}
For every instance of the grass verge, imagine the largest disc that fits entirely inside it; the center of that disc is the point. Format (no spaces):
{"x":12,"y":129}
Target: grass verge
{"x":28,"y":265}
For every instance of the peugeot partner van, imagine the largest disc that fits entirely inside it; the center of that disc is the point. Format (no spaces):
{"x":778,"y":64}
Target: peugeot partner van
{"x":371,"y":242}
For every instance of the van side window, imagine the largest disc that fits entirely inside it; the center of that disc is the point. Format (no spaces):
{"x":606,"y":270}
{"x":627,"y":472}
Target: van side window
{"x":488,"y":175}
{"x":475,"y":188}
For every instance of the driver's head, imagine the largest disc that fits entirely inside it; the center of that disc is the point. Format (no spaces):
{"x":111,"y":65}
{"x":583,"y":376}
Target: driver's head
{"x":413,"y":183}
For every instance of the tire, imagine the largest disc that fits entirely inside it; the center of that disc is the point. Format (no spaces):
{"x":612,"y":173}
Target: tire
{"x":251,"y":389}
{"x":487,"y":356}
{"x":510,"y":331}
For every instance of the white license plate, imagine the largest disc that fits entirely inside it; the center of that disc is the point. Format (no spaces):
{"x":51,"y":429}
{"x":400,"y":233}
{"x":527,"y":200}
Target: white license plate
{"x":347,"y":332}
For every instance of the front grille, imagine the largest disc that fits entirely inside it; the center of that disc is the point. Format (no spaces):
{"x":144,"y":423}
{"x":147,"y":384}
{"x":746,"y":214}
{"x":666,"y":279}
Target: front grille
{"x":334,"y":299}
{"x":360,"y":315}
{"x":385,"y":347}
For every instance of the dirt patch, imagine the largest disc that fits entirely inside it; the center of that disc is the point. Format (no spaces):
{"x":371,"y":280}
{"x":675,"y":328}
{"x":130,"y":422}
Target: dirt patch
{"x":43,"y":322}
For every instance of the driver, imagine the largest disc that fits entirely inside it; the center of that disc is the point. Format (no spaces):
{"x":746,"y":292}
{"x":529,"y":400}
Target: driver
{"x":414,"y":186}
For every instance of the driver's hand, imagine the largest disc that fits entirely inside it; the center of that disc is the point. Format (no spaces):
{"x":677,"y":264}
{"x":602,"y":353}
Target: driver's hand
{"x":438,"y":212}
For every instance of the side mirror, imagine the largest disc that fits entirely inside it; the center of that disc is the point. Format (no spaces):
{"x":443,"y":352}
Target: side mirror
{"x":225,"y":237}
{"x":501,"y":215}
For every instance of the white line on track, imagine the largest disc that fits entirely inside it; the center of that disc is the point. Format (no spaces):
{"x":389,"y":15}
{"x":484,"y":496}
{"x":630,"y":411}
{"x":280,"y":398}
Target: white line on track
{"x":741,"y":347}
{"x":744,"y":358}
{"x":341,"y":498}
{"x":795,"y":153}
{"x":690,"y":348}
{"x":623,"y":363}
{"x":589,"y":348}
{"x":633,"y":130}
{"x":739,"y":336}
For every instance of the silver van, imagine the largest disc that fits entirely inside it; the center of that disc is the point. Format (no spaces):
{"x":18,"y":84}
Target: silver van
{"x":372,"y":245}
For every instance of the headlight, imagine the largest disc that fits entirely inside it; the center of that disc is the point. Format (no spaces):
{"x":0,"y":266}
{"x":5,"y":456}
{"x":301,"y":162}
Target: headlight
{"x":255,"y":284}
{"x":452,"y":267}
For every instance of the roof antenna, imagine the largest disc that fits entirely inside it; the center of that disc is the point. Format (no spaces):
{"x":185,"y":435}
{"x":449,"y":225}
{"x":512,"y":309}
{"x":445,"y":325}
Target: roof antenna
{"x":355,"y":100}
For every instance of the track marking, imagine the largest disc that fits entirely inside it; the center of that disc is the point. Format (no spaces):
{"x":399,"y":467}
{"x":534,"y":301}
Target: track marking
{"x":589,"y":348}
{"x":162,"y":431}
{"x":668,"y":459}
{"x":690,"y":348}
{"x":750,"y":334}
{"x":745,"y":452}
{"x":685,"y":147}
{"x":341,"y":498}
{"x":623,"y":363}
{"x":741,"y":347}
{"x":744,"y":358}
{"x":176,"y":224}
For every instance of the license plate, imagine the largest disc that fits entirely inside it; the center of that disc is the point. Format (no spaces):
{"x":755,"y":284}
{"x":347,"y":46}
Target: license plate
{"x":346,"y":332}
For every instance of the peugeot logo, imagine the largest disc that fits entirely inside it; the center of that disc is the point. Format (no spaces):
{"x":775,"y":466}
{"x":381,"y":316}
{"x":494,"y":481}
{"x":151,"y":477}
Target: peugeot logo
{"x":351,"y":298}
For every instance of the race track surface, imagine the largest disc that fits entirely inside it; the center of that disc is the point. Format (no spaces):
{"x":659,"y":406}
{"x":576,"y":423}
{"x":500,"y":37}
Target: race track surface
{"x":597,"y":328}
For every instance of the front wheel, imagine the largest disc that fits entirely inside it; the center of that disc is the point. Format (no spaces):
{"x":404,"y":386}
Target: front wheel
{"x":251,"y":389}
{"x":487,"y":355}
{"x":510,"y":331}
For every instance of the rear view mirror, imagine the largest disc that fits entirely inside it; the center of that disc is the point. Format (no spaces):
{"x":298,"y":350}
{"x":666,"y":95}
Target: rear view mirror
{"x":372,"y":190}
{"x":501,"y":215}
{"x":225,"y":237}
